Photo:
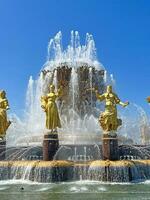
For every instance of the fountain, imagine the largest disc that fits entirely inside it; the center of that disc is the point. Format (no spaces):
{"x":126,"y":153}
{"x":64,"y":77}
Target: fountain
{"x":72,"y":145}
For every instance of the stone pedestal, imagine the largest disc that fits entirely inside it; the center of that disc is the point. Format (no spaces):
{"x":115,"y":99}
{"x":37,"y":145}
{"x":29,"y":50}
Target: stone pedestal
{"x":2,"y":149}
{"x":50,"y":146}
{"x":110,"y":147}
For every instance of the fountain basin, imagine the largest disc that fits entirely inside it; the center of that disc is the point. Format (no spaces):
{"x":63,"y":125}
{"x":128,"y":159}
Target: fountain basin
{"x":58,"y":171}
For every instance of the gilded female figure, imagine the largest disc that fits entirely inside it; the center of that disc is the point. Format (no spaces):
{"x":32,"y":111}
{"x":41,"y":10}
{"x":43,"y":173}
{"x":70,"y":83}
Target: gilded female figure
{"x":108,"y":119}
{"x":49,"y":106}
{"x":4,"y":106}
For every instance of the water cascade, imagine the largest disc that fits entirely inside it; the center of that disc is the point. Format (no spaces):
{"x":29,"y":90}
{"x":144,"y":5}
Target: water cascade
{"x":79,"y":157}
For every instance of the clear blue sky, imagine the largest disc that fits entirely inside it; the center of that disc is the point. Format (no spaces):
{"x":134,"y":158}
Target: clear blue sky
{"x":121,"y":30}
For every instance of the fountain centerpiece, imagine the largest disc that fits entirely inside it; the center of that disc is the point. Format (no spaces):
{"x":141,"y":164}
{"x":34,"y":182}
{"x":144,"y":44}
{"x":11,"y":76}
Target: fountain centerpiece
{"x":71,"y":145}
{"x":75,"y":70}
{"x":71,"y":72}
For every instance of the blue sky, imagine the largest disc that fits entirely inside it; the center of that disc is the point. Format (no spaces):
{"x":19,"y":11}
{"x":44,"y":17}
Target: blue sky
{"x":121,"y":30}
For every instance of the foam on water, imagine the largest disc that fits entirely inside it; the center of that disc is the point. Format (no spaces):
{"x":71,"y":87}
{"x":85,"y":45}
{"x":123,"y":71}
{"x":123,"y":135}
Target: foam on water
{"x":3,"y":188}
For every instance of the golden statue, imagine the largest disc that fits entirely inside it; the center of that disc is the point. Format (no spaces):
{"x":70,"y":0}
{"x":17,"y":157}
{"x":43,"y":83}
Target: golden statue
{"x":4,"y":106}
{"x":108,"y":119}
{"x":50,"y":108}
{"x":148,"y":99}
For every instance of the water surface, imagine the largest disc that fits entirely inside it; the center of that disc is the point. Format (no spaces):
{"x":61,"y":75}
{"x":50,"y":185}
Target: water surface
{"x":85,"y":190}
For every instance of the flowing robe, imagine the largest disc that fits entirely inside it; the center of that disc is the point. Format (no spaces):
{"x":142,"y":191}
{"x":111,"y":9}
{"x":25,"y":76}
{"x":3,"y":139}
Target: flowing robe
{"x":108,"y":119}
{"x":4,"y":124}
{"x":50,"y":107}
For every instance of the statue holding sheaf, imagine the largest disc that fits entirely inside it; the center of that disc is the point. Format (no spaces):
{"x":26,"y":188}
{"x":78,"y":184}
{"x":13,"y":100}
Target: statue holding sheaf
{"x":50,"y":108}
{"x":4,"y":106}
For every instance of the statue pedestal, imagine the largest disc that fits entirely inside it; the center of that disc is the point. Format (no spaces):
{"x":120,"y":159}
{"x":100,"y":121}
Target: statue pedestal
{"x":50,"y":146}
{"x":110,"y":147}
{"x":2,"y":149}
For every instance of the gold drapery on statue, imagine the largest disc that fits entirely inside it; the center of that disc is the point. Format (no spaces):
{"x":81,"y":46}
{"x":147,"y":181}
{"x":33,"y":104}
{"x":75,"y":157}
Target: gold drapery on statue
{"x":4,"y":106}
{"x":148,"y":99}
{"x":108,"y":119}
{"x":49,"y":106}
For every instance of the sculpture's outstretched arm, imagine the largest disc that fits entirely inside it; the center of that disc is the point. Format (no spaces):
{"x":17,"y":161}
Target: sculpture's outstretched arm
{"x":118,"y":101}
{"x":124,"y":104}
{"x":6,"y":104}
